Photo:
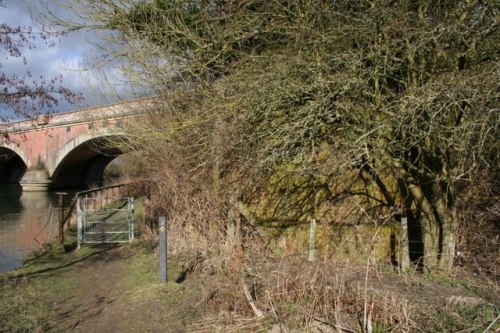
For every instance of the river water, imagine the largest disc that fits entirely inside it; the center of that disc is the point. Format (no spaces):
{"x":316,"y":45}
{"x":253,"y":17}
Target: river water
{"x":24,"y":223}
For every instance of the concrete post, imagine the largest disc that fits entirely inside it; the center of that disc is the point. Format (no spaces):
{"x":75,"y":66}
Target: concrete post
{"x":163,"y":250}
{"x":312,"y":241}
{"x":131,"y":218}
{"x":405,"y":255}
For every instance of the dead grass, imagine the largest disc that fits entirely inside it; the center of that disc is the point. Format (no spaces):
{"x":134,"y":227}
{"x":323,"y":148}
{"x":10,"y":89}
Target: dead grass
{"x":239,"y":290}
{"x":246,"y":287}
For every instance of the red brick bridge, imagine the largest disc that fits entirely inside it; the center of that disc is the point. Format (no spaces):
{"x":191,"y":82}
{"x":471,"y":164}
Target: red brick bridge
{"x":64,"y":150}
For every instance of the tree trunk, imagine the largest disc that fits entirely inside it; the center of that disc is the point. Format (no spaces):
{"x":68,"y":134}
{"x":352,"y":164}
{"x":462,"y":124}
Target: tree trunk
{"x":430,"y":228}
{"x":439,"y":224}
{"x":430,"y":237}
{"x":448,"y":239}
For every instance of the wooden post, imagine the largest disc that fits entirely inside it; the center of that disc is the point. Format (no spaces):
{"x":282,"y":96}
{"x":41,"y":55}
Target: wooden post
{"x":60,"y":200}
{"x":312,"y":241}
{"x":405,"y":255}
{"x":163,"y":250}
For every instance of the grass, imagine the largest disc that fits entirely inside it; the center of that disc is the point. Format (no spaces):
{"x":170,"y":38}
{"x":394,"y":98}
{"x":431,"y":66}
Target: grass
{"x":21,"y":312}
{"x":448,"y":281}
{"x":464,"y":317}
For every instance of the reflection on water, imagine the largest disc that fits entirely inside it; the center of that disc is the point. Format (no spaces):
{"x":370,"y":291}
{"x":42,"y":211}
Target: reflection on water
{"x":24,"y":223}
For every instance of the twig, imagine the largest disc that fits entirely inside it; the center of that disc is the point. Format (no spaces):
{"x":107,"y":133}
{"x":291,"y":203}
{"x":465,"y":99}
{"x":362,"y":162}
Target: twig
{"x":257,"y":312}
{"x":491,"y":325}
{"x":208,"y":297}
{"x":48,"y":220}
{"x":282,"y":327}
{"x":337,"y":326}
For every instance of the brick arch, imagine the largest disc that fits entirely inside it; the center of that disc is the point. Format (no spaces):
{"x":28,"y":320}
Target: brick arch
{"x":13,"y":163}
{"x":56,"y":159}
{"x":79,"y":162}
{"x":16,"y":149}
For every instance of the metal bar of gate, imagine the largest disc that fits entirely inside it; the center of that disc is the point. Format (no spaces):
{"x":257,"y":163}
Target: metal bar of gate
{"x":79,"y":222}
{"x":105,"y":225}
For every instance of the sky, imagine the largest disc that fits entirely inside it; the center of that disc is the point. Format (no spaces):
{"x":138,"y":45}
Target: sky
{"x":68,"y":57}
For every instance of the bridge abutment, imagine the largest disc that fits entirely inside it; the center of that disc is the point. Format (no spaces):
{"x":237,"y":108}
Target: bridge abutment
{"x":36,"y":180}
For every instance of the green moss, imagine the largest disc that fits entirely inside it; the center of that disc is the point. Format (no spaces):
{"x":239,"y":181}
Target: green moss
{"x":346,"y":243}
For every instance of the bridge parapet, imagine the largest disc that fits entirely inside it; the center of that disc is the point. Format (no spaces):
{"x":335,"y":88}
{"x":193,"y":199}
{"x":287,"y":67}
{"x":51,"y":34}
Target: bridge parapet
{"x":112,"y":111}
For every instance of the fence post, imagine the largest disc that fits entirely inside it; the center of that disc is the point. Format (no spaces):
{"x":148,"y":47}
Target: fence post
{"x":163,"y":250}
{"x":405,"y":255}
{"x":79,"y":221}
{"x":60,"y":199}
{"x":312,"y":241}
{"x":131,"y":218}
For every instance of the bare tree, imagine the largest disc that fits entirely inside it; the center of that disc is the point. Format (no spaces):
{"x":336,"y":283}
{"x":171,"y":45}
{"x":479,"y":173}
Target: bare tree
{"x":398,"y":97}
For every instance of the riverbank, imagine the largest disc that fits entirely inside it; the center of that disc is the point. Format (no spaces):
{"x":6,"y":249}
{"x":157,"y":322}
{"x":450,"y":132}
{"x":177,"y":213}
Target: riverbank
{"x":116,"y":289}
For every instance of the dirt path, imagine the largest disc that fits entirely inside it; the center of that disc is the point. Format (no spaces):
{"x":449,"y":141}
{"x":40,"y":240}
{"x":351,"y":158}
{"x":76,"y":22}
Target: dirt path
{"x":116,"y":289}
{"x":96,"y":289}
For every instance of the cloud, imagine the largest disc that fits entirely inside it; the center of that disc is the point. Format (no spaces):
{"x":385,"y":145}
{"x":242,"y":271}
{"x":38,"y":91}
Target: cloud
{"x":69,"y":57}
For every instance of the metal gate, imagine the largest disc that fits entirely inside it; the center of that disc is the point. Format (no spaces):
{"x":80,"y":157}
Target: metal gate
{"x":113,"y":223}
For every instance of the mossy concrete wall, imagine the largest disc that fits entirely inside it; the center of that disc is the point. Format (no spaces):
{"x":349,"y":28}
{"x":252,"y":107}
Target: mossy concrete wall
{"x":353,"y":243}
